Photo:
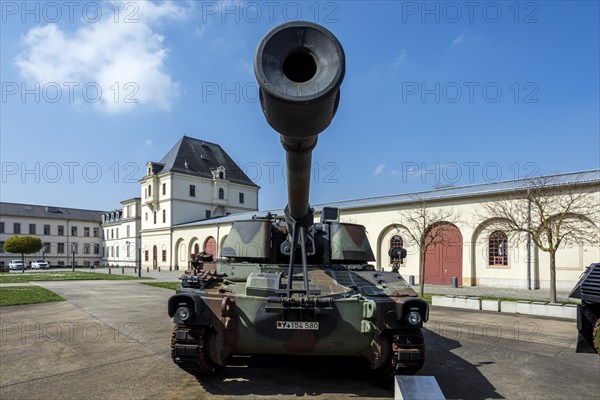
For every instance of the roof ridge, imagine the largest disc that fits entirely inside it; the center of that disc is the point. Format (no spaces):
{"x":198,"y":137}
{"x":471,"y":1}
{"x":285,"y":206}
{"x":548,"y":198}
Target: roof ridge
{"x":464,"y":187}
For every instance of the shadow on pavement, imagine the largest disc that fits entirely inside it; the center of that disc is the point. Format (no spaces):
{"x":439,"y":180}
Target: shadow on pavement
{"x":349,"y":377}
{"x":458,"y":378}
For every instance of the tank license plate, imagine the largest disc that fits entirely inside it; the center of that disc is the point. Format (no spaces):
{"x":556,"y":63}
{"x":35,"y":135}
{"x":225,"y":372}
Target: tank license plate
{"x":309,"y":326}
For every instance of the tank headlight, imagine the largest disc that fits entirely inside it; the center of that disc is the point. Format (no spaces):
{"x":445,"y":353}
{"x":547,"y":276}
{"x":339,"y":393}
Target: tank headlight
{"x":183,"y":313}
{"x":414,"y":318}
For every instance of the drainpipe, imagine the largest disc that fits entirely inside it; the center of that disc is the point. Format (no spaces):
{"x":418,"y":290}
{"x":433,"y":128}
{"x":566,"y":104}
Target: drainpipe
{"x":528,"y":240}
{"x":217,"y":246}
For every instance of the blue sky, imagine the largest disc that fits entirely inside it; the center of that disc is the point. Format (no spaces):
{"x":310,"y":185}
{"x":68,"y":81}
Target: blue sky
{"x":434,"y":93}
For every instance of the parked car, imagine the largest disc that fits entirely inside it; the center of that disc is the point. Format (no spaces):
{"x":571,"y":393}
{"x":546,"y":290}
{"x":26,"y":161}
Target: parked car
{"x":40,"y":264}
{"x":16,"y":264}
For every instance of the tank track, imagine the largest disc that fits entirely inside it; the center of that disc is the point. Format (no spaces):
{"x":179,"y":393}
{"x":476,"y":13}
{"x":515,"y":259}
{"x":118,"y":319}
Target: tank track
{"x":408,"y":351}
{"x":188,"y":350}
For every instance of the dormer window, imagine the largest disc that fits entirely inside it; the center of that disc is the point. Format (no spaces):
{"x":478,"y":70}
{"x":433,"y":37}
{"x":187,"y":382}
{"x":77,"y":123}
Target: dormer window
{"x":149,"y":170}
{"x":221,"y":175}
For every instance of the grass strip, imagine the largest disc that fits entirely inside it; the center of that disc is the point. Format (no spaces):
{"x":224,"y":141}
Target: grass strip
{"x":165,"y":285}
{"x":17,"y":277}
{"x":17,"y":295}
{"x":427,"y":298}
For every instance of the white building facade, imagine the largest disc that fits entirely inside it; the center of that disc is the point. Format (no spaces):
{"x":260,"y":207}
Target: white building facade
{"x":62,"y":230}
{"x":480,"y":254}
{"x":122,"y":235}
{"x":195,"y":180}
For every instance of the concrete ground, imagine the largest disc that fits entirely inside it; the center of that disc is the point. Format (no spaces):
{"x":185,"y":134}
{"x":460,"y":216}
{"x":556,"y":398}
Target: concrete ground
{"x":110,"y":340}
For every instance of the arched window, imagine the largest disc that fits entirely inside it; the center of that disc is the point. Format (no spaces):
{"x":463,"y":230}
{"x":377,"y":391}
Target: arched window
{"x":498,"y":248}
{"x":396,"y":241}
{"x":221,"y":194}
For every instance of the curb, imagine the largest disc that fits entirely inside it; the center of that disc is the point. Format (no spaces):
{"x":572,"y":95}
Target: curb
{"x":538,"y":308}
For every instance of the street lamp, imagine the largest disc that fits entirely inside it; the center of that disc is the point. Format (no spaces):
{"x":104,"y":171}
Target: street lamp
{"x":73,"y":248}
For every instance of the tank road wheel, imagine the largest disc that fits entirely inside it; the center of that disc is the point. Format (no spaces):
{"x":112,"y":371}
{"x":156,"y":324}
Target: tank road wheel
{"x":407,"y":355}
{"x":188,"y":350}
{"x":408,"y":351}
{"x":596,"y":336}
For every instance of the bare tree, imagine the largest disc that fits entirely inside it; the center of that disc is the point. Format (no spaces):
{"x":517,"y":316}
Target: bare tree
{"x":551,"y":214}
{"x":428,"y":227}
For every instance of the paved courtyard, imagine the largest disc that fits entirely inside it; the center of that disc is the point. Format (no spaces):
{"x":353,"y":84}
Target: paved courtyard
{"x":110,"y":340}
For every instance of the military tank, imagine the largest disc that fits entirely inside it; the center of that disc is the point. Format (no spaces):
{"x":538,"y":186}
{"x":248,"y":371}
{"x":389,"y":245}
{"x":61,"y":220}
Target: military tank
{"x":287,"y":284}
{"x":588,"y":312}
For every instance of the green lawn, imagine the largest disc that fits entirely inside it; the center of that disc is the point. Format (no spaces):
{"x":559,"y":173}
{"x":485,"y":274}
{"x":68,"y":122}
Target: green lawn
{"x":17,"y":277}
{"x":166,"y":285}
{"x":15,"y":295}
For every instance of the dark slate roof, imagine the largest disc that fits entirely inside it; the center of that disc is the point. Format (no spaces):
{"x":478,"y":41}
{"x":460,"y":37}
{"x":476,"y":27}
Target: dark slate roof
{"x":484,"y":189}
{"x":37,"y":211}
{"x":201,"y":158}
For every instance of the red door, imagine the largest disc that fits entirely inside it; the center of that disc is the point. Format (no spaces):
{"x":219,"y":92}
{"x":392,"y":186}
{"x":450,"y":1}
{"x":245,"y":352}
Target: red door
{"x":444,"y":258}
{"x":210,"y":246}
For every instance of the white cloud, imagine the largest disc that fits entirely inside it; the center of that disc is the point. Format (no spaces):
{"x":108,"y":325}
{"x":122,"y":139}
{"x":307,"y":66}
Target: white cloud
{"x":379,"y":169}
{"x":458,"y":39}
{"x":148,"y":142}
{"x":126,"y":59}
{"x":400,"y":60}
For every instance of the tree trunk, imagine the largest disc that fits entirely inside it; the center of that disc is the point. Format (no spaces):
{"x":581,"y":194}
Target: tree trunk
{"x":23,"y":261}
{"x":553,"y":277}
{"x":422,"y":273}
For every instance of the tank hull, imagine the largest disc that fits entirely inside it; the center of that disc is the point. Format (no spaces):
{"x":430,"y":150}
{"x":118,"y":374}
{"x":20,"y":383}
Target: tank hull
{"x":352,"y":324}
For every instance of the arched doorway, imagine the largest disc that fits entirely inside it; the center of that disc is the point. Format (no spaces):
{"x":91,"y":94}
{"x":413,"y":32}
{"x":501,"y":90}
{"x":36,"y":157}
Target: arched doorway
{"x":154,"y":257}
{"x":210,"y":246}
{"x":444,"y":258}
{"x":196,"y":248}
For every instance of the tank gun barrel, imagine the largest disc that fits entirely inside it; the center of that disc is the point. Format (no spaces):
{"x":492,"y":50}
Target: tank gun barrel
{"x":299,"y":67}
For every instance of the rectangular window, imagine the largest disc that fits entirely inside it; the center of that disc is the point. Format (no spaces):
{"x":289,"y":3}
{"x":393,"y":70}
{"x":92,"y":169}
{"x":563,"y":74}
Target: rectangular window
{"x":96,"y":232}
{"x":207,"y":214}
{"x":1,"y":247}
{"x":46,"y":229}
{"x":32,"y":229}
{"x":164,"y":216}
{"x":16,"y":228}
{"x":117,"y":252}
{"x":155,"y":217}
{"x":146,"y":216}
{"x":117,"y":232}
{"x":60,"y":248}
{"x":61,"y":230}
{"x":61,"y":263}
{"x":149,"y":190}
{"x":73,"y":231}
{"x":86,"y":232}
{"x":241,"y":198}
{"x":103,"y":251}
{"x":128,"y":230}
{"x":86,"y":248}
{"x":96,"y":248}
{"x":75,"y":247}
{"x":146,"y":255}
{"x":164,"y":255}
{"x":164,"y":186}
{"x":1,"y":227}
{"x":112,"y":233}
{"x":192,"y":191}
